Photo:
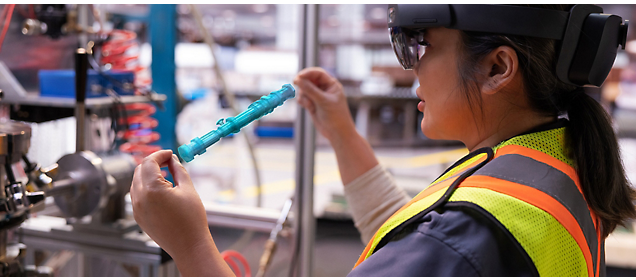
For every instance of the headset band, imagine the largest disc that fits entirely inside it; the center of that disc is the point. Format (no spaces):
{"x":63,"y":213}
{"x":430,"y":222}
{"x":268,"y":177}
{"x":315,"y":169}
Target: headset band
{"x":500,"y":19}
{"x":588,"y":39}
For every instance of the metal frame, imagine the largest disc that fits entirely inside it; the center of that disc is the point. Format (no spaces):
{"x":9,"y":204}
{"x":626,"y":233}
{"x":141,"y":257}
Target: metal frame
{"x":305,"y":140}
{"x":52,"y":234}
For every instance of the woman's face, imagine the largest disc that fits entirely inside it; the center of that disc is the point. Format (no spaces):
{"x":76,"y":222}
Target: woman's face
{"x":447,"y":114}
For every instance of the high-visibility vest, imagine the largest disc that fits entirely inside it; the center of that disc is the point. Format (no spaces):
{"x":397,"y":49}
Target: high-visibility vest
{"x":532,"y":190}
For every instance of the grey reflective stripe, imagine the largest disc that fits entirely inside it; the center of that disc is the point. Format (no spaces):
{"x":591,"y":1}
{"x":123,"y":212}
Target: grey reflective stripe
{"x":527,"y":171}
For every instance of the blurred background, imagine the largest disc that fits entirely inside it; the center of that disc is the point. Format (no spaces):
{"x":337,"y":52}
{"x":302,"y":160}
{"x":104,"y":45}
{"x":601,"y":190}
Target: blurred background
{"x":182,"y":79}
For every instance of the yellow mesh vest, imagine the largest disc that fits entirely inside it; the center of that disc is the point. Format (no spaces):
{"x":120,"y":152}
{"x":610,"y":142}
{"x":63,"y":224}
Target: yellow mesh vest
{"x":552,"y":249}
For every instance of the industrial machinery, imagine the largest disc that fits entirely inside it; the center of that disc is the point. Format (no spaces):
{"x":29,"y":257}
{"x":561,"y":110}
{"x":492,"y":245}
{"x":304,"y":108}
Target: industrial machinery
{"x":88,"y":186}
{"x":94,"y":180}
{"x":83,"y":184}
{"x":15,"y":201}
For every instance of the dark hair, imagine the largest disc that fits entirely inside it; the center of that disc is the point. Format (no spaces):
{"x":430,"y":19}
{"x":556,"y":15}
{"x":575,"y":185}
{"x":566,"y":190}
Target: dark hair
{"x":590,"y":138}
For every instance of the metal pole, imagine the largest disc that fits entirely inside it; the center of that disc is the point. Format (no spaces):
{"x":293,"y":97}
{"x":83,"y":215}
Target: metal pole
{"x":81,"y":68}
{"x":305,"y":138}
{"x":3,"y":245}
{"x":82,"y":20}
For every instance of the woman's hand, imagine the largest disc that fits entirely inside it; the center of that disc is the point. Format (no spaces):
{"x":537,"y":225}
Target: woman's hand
{"x":174,"y":217}
{"x":322,"y":95}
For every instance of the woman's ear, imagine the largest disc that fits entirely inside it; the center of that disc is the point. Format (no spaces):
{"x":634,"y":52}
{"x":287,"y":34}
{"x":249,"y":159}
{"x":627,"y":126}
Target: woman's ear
{"x":500,"y":67}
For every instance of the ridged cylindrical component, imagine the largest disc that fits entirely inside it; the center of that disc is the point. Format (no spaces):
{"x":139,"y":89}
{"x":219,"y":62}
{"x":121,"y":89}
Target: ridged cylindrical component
{"x":255,"y":111}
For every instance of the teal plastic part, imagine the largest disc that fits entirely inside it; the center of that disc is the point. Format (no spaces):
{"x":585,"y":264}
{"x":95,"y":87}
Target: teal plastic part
{"x":255,"y":111}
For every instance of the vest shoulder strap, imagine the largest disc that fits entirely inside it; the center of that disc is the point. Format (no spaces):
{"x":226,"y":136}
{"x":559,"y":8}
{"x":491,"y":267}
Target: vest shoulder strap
{"x":432,"y":197}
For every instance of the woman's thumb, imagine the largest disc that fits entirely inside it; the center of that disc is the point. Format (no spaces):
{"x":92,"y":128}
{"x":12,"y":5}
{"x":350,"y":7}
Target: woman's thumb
{"x":179,"y":173}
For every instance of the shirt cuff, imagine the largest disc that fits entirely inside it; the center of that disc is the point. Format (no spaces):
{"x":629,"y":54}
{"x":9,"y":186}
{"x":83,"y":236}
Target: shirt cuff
{"x":373,"y":197}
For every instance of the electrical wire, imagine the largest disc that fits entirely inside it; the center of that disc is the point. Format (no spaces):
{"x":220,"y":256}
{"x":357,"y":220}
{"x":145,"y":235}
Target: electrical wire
{"x":119,"y":115}
{"x":3,"y":13}
{"x":229,"y":96}
{"x":271,"y":243}
{"x":117,"y":112}
{"x":7,"y":21}
{"x":98,"y":18}
{"x":24,"y":13}
{"x":32,"y":11}
{"x":2,"y":16}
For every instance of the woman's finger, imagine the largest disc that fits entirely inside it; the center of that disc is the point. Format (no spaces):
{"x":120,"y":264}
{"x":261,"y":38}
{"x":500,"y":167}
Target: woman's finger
{"x":309,"y":90}
{"x":150,"y":168}
{"x":311,"y":107}
{"x":136,"y":185}
{"x":318,"y":76}
{"x":180,"y":175}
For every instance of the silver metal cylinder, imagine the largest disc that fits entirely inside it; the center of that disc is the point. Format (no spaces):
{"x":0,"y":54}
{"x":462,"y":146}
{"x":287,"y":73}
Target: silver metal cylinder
{"x":86,"y":183}
{"x":62,"y":187}
{"x":80,"y":136}
{"x":33,"y":27}
{"x":82,"y":20}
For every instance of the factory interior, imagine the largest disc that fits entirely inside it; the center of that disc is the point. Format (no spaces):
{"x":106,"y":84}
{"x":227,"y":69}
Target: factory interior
{"x":160,"y":75}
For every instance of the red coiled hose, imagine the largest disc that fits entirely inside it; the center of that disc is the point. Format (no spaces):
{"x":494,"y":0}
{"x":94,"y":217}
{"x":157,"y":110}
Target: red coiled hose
{"x":139,"y":134}
{"x":227,"y":257}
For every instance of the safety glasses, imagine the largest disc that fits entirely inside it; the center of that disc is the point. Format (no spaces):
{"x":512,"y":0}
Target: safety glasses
{"x":407,"y":45}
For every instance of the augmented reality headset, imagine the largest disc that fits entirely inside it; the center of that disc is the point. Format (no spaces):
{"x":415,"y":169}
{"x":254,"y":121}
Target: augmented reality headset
{"x":588,"y":38}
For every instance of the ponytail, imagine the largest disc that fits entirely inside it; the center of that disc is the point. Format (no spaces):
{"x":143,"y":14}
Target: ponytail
{"x":593,"y":146}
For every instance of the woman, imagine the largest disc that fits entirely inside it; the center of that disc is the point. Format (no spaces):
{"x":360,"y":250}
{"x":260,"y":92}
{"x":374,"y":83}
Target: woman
{"x":537,"y":195}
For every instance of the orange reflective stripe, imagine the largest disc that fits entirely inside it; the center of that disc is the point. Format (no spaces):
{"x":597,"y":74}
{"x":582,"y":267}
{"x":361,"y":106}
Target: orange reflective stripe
{"x":477,"y":159}
{"x":435,"y":187}
{"x":549,"y":160}
{"x":365,"y":252}
{"x":427,"y":192}
{"x":542,"y":201}
{"x":423,"y":194}
{"x":542,"y":157}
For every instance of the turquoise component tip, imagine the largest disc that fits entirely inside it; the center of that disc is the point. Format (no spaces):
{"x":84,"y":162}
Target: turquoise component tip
{"x":186,"y":153}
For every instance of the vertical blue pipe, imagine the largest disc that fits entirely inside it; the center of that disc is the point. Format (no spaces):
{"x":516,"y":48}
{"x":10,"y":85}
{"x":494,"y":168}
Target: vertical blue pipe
{"x":162,"y":24}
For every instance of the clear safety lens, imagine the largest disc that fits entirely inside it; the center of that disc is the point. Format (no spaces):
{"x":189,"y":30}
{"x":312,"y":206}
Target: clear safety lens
{"x":406,"y":48}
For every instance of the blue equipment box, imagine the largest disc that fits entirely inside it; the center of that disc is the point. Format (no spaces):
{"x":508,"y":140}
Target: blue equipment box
{"x":61,"y":83}
{"x":274,"y":132}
